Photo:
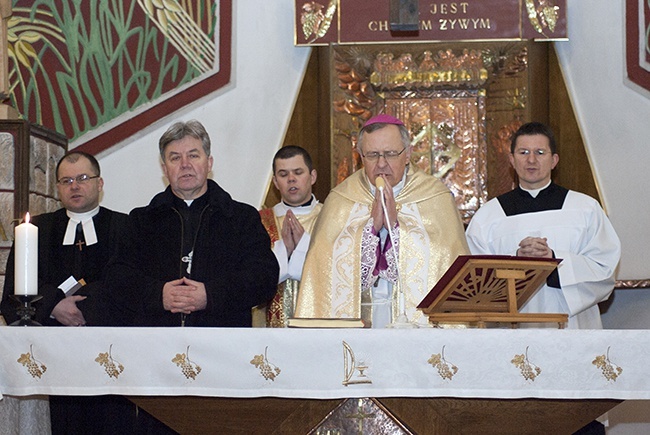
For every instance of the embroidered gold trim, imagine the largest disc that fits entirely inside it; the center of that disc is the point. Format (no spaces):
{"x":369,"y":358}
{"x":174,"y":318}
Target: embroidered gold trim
{"x":112,"y":367}
{"x":268,"y":370}
{"x":528,"y":370}
{"x":189,"y":368}
{"x":34,"y":366}
{"x":609,"y":370}
{"x":446,"y":370}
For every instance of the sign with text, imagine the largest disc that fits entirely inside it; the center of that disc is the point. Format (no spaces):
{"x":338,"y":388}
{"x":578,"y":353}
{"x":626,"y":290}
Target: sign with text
{"x":367,"y":21}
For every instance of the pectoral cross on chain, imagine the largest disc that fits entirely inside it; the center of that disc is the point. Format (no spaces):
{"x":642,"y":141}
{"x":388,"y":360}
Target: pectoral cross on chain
{"x":80,"y":244}
{"x":188,"y":259}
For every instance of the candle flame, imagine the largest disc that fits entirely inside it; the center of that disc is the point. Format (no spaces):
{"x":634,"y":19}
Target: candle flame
{"x":27,"y":217}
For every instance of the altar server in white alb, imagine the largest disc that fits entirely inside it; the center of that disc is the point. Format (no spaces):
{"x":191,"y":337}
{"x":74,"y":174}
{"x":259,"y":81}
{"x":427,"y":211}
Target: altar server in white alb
{"x":542,"y":219}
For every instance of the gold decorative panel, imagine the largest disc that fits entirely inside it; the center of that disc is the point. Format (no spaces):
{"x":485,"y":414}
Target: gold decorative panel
{"x":448,"y":141}
{"x":360,"y":416}
{"x":461,"y":103}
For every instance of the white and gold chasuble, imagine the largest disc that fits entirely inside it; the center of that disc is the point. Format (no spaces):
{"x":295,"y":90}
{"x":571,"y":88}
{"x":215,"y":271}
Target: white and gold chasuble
{"x":431,"y":237}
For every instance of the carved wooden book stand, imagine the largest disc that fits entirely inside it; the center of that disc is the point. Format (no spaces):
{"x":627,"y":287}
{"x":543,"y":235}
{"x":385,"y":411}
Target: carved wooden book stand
{"x":490,"y":288}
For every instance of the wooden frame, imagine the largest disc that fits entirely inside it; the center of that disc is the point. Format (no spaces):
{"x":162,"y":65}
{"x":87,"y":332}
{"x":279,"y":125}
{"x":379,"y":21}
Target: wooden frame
{"x":490,"y":288}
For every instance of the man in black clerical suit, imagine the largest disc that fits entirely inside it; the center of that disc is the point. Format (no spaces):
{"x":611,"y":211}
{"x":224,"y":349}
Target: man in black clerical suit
{"x":75,"y":241}
{"x":195,"y":256}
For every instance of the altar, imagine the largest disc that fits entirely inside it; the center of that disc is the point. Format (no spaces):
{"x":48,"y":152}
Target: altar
{"x":457,"y":378}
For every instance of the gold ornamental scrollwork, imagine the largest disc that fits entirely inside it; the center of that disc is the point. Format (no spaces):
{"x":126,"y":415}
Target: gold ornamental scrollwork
{"x":632,"y":284}
{"x":445,"y":68}
{"x":440,"y":95}
{"x":315,"y":23}
{"x":542,"y":14}
{"x":3,"y":233}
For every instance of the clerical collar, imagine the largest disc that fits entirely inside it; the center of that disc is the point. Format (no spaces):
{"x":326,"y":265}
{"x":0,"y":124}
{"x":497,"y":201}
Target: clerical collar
{"x":307,"y":204}
{"x":281,"y":208}
{"x":87,"y":224}
{"x":535,"y":192}
{"x":188,"y":203}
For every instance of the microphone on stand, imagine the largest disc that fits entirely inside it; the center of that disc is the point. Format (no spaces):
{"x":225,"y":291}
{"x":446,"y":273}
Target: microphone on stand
{"x":380,"y":184}
{"x":402,"y":321}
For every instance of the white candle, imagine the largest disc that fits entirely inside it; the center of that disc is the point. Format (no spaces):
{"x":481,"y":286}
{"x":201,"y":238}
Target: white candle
{"x":26,"y":259}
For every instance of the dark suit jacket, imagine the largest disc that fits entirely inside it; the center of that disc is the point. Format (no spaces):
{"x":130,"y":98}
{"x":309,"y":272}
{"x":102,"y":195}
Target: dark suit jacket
{"x":57,"y":262}
{"x":231,"y":256}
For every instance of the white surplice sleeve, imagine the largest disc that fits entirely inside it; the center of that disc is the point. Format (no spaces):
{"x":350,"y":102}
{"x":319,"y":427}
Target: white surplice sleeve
{"x":587,"y":273}
{"x":280,"y":251}
{"x":480,"y":236}
{"x":291,"y":267}
{"x":297,"y":260}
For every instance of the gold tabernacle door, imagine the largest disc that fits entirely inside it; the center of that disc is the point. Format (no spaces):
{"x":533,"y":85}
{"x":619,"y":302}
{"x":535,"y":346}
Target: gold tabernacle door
{"x":478,"y":289}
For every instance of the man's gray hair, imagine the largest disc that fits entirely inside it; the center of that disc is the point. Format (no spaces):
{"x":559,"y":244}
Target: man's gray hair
{"x":180,"y":130}
{"x":403,"y":132}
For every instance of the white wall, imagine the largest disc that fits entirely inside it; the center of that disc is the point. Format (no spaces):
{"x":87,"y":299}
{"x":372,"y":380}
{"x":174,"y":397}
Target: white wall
{"x":246,"y":120}
{"x":615,"y":122}
{"x":614,"y":117}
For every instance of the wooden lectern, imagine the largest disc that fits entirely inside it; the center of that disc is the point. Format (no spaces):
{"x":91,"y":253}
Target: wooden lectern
{"x":490,"y":288}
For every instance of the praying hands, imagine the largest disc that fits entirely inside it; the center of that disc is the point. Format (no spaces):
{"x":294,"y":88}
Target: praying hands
{"x":534,"y":247}
{"x":377,"y":212}
{"x":292,"y":232}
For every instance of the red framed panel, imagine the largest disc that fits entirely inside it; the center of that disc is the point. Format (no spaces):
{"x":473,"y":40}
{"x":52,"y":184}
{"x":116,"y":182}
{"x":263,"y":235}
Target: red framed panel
{"x":205,"y":86}
{"x":637,"y":43}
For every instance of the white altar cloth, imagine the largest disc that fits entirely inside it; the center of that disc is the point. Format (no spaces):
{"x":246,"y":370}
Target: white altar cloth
{"x":334,"y":363}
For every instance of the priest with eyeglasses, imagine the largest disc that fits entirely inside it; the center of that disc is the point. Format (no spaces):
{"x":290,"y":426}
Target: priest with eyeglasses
{"x":75,"y":244}
{"x":542,"y":219}
{"x":387,"y":225}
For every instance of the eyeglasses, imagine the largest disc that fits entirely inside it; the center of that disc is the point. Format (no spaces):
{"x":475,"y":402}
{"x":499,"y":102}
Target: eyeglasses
{"x":388,"y":155}
{"x":525,"y":152}
{"x":80,"y":179}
